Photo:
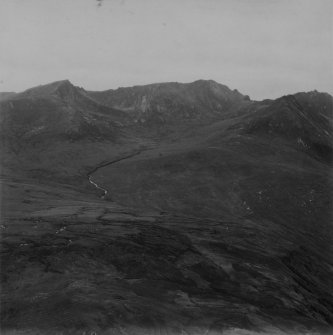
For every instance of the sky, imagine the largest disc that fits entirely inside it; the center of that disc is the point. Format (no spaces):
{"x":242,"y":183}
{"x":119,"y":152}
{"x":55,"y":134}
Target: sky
{"x":263,"y":48}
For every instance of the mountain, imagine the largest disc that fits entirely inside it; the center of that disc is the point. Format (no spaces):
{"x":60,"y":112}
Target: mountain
{"x":62,"y":120}
{"x":58,"y":109}
{"x":300,"y":122}
{"x":166,"y":208}
{"x":201,"y":100}
{"x":45,"y":127}
{"x":304,"y":118}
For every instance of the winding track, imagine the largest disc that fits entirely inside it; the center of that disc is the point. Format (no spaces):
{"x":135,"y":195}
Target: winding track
{"x":89,"y":174}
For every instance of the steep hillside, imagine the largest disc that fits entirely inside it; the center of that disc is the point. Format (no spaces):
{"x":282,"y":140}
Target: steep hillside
{"x":304,"y":118}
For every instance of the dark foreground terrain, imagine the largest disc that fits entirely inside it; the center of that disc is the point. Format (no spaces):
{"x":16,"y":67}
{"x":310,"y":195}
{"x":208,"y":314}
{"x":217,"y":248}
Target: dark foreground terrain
{"x":165,"y":209}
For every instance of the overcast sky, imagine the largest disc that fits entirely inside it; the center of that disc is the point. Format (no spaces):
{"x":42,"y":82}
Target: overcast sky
{"x":264,"y":48}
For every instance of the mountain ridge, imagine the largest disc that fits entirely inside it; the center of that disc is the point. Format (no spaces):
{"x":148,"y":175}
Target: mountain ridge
{"x":199,"y":82}
{"x":164,"y":109}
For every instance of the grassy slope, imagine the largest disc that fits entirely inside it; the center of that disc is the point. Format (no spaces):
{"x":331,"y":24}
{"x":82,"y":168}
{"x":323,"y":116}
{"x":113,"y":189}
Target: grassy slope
{"x":277,"y":195}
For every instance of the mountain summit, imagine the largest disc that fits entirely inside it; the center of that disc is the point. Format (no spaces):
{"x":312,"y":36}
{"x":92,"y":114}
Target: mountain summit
{"x":62,"y":89}
{"x":50,"y":88}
